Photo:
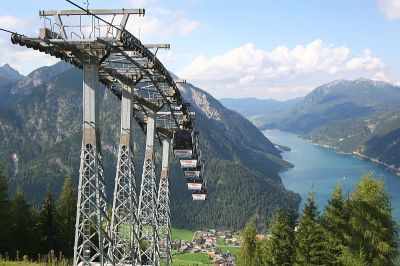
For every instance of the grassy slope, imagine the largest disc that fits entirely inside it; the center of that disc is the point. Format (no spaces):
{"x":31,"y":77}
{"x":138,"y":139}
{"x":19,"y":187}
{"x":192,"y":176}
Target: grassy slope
{"x":234,"y":250}
{"x":182,"y":234}
{"x":190,"y":259}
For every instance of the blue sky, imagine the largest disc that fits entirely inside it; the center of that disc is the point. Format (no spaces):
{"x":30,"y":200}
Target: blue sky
{"x":263,"y":49}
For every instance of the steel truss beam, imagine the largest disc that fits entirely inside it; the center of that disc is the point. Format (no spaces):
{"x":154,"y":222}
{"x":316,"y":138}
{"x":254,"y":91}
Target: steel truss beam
{"x":163,"y":207}
{"x":148,"y":250}
{"x":124,"y":222}
{"x":139,"y":11}
{"x":92,"y":223}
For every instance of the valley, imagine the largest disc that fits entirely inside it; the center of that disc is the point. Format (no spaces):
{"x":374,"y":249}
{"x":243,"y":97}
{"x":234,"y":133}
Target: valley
{"x":358,"y":117}
{"x":163,"y":133}
{"x":40,"y":142}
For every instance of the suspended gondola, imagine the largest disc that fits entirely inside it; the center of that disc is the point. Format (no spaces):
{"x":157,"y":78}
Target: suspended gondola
{"x":194,"y":183}
{"x":193,"y":172}
{"x":183,"y":144}
{"x":193,"y":162}
{"x":199,"y":194}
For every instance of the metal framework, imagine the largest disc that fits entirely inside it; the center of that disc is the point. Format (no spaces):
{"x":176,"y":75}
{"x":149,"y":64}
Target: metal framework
{"x":148,"y":251}
{"x":163,"y":207}
{"x":139,"y":230}
{"x":124,"y":221}
{"x":91,"y":238}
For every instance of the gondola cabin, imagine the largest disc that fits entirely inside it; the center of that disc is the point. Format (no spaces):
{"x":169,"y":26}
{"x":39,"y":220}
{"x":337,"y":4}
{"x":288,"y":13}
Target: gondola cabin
{"x":192,"y":172}
{"x":199,"y":194}
{"x":189,"y":163}
{"x":183,"y":144}
{"x":194,"y":183}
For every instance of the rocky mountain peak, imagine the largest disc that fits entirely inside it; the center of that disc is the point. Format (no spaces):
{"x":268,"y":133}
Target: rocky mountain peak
{"x":201,"y":100}
{"x":39,"y":77}
{"x":7,"y":72}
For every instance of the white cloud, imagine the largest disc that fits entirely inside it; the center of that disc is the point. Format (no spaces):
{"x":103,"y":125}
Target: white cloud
{"x":365,"y":62}
{"x":160,"y":23}
{"x":380,"y":76}
{"x":391,"y":8}
{"x":281,"y":73}
{"x":21,"y":58}
{"x":166,"y":57}
{"x":8,"y":22}
{"x":187,"y":26}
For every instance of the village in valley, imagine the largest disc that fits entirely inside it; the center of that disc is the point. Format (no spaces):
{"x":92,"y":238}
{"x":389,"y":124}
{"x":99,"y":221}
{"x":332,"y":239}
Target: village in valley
{"x":217,"y":247}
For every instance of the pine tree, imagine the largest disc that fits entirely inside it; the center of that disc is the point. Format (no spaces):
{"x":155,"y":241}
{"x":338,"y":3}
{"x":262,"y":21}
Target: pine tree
{"x":36,"y":230}
{"x":311,"y":238}
{"x":260,"y":253}
{"x":281,"y":245}
{"x":48,"y":225}
{"x":248,"y":248}
{"x":21,"y":225}
{"x":374,"y":235}
{"x":4,"y":213}
{"x":335,"y":222}
{"x":67,"y":216}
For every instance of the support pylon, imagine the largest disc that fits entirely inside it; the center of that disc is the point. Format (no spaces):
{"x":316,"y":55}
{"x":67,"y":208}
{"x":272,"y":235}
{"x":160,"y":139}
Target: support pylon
{"x":91,"y":238}
{"x":148,"y":251}
{"x":163,"y":207}
{"x":124,"y":211}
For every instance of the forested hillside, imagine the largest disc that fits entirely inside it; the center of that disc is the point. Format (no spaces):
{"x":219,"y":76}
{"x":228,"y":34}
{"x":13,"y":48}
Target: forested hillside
{"x":40,"y":139}
{"x":356,"y":229}
{"x":376,"y":137}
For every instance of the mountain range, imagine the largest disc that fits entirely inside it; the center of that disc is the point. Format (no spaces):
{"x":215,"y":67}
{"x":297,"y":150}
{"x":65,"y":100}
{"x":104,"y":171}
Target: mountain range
{"x":40,"y":140}
{"x":336,"y":101}
{"x":375,"y":137}
{"x":355,"y":116}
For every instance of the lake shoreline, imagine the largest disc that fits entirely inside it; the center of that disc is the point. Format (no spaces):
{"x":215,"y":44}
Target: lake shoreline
{"x":320,"y":168}
{"x":392,"y":169}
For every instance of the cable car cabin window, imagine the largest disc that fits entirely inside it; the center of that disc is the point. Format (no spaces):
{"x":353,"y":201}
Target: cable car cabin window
{"x":194,"y":180}
{"x":189,"y":163}
{"x":183,"y":140}
{"x":194,"y":183}
{"x":192,"y":172}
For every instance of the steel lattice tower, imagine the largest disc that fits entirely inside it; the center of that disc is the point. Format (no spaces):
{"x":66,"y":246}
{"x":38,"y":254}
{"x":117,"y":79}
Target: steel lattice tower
{"x":163,"y":207}
{"x":110,"y":54}
{"x":124,"y":211}
{"x":91,"y":239}
{"x":148,"y":251}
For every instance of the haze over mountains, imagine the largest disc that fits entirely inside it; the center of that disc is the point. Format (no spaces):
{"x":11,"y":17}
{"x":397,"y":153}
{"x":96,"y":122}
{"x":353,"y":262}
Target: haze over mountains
{"x":358,"y":116}
{"x":253,"y":107}
{"x":40,"y":140}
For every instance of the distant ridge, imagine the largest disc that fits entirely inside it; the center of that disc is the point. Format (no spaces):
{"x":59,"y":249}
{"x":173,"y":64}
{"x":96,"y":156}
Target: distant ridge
{"x":335,"y":101}
{"x":254,"y":107}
